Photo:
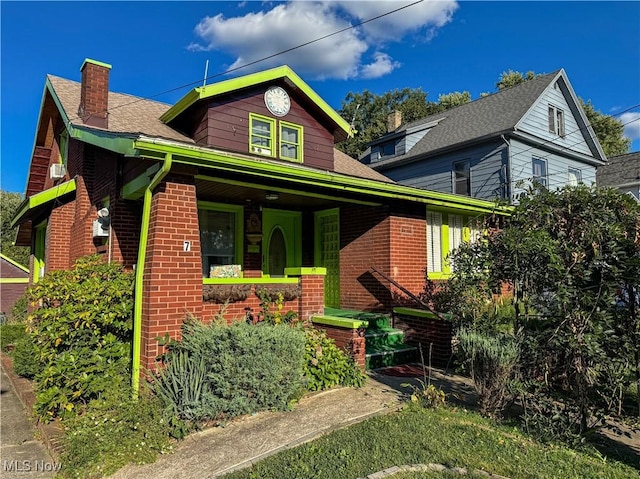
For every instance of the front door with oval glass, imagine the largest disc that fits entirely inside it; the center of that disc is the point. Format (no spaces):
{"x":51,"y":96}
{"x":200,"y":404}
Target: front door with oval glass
{"x":282,"y":241}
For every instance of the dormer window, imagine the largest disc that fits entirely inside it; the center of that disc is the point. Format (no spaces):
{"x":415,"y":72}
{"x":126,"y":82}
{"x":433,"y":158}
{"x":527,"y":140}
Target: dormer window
{"x":262,"y":135}
{"x":383,"y":150}
{"x":288,"y":143}
{"x":556,"y":121}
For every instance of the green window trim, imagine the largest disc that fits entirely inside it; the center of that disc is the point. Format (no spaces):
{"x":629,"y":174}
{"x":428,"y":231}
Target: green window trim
{"x":238,"y":211}
{"x":257,"y":137}
{"x":39,"y":251}
{"x":443,"y":248}
{"x":289,"y":143}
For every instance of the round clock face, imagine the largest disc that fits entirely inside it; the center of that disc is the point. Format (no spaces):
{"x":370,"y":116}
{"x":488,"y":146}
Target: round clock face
{"x":277,"y":101}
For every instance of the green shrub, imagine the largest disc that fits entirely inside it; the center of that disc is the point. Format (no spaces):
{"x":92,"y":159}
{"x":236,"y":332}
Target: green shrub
{"x":326,"y":365}
{"x":26,"y":358}
{"x":19,"y":310}
{"x":112,"y":432}
{"x":248,"y":369}
{"x":81,"y":331}
{"x":492,"y":362}
{"x":10,"y":334}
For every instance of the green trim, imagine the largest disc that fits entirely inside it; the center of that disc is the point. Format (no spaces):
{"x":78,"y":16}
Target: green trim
{"x":139,"y":280}
{"x":14,"y":280}
{"x":445,"y":272}
{"x":134,"y":189}
{"x":305,"y":271}
{"x":198,"y":156}
{"x":254,"y":79}
{"x":290,"y":224}
{"x":300,"y":144}
{"x":95,"y":62}
{"x":347,"y":323}
{"x":64,"y":146}
{"x":264,"y":187}
{"x":237,"y":210}
{"x":419,"y":313}
{"x":258,"y":149}
{"x":39,"y":251}
{"x":14,"y":263}
{"x":264,"y":280}
{"x":332,"y":277}
{"x":42,"y":198}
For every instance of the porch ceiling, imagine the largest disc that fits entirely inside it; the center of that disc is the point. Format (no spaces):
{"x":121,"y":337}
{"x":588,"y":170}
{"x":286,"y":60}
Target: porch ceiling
{"x":241,"y":192}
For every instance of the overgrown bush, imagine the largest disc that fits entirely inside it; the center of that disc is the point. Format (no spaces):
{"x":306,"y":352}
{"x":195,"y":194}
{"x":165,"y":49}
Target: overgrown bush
{"x":114,"y":431}
{"x":492,"y":362}
{"x":81,"y":330}
{"x":19,"y":310}
{"x":326,"y":365}
{"x":10,"y":334}
{"x":26,"y":358}
{"x":247,"y":369}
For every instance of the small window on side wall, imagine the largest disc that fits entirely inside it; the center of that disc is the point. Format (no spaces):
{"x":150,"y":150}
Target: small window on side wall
{"x":539,"y":171}
{"x":462,"y":178}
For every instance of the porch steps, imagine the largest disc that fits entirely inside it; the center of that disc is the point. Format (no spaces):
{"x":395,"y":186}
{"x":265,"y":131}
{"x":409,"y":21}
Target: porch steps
{"x":385,"y":345}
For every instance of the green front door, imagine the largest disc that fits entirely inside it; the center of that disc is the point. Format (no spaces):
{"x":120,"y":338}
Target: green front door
{"x":327,"y":253}
{"x":281,"y":241}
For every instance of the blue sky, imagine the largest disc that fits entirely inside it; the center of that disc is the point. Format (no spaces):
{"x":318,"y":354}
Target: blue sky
{"x":440,"y":46}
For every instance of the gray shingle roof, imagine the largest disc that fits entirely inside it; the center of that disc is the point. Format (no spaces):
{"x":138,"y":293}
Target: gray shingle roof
{"x":133,"y":115}
{"x":619,"y":170}
{"x":483,"y":118}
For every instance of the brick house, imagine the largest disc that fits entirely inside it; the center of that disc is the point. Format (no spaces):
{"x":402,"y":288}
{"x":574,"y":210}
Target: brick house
{"x":236,"y":187}
{"x":14,"y":279}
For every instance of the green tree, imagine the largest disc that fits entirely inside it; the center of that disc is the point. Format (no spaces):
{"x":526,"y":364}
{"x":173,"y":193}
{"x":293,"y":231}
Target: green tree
{"x":573,"y":258}
{"x":512,"y":78}
{"x":9,"y":203}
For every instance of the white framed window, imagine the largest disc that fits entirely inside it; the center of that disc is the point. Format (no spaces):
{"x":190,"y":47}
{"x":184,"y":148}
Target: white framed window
{"x":221,"y":235}
{"x":539,"y":170}
{"x":462,"y":178}
{"x":556,"y":121}
{"x":575,"y":177}
{"x":445,"y":233}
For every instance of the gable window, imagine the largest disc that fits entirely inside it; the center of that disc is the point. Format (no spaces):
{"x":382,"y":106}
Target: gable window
{"x":290,"y":141}
{"x":556,"y":121}
{"x":445,"y":233}
{"x":462,"y":178}
{"x":261,"y":136}
{"x":385,"y":149}
{"x":220,"y":236}
{"x":575,"y":177}
{"x":539,"y":171}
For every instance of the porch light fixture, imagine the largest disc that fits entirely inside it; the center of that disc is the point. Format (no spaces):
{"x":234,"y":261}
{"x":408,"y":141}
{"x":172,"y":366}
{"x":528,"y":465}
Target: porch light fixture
{"x":272,"y":196}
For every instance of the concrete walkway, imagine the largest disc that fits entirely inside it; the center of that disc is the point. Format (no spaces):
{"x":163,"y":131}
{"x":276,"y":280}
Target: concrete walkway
{"x":217,"y":451}
{"x":21,"y":455}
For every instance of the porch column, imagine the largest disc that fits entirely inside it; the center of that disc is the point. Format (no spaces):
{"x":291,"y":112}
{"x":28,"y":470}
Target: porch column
{"x":311,"y":301}
{"x":172,"y":285}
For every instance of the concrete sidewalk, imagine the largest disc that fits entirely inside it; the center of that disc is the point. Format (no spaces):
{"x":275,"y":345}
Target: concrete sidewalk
{"x":217,"y":451}
{"x":21,"y":455}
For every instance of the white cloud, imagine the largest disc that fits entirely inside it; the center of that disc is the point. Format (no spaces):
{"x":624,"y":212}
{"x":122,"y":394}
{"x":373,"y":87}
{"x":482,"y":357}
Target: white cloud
{"x":382,"y":65}
{"x":631,"y":120}
{"x":275,"y":29}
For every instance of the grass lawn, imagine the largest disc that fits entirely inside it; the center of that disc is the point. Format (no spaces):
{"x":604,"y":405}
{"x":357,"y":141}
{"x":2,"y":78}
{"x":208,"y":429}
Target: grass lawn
{"x":450,"y":436}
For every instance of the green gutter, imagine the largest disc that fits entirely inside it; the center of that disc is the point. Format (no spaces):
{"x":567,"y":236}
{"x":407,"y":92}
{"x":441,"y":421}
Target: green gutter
{"x":197,"y":156}
{"x":142,"y":252}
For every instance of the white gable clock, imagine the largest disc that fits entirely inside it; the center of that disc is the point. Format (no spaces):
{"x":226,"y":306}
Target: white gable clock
{"x":277,"y":101}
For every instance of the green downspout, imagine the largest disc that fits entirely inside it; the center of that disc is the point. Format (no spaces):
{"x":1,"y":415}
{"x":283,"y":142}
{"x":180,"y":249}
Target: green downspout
{"x":142,"y":252}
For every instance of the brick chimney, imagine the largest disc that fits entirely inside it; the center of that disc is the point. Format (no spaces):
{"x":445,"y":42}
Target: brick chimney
{"x":394,"y":120}
{"x":94,"y":93}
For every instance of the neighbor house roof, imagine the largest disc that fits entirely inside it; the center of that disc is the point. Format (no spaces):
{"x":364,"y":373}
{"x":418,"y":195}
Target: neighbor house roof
{"x":620,"y":170}
{"x":484,"y":118}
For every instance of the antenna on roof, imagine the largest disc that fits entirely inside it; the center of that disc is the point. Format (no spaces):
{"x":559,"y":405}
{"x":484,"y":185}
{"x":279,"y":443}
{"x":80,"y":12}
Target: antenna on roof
{"x":353,"y":120}
{"x":206,"y":71}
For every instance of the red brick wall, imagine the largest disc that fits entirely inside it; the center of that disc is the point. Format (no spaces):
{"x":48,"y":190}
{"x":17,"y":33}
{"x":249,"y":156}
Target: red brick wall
{"x":59,"y":237}
{"x":352,"y":341}
{"x":172,"y":286}
{"x":408,"y":253}
{"x":426,"y":331}
{"x":94,"y":95}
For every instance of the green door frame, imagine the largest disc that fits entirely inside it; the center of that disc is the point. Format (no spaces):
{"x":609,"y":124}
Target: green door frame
{"x":290,"y":223}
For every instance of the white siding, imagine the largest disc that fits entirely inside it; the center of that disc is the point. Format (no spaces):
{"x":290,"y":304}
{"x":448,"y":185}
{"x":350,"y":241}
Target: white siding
{"x":536,"y":122}
{"x":558,"y":166}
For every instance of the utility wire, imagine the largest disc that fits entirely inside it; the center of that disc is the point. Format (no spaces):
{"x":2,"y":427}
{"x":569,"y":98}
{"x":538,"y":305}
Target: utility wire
{"x":269,"y":57}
